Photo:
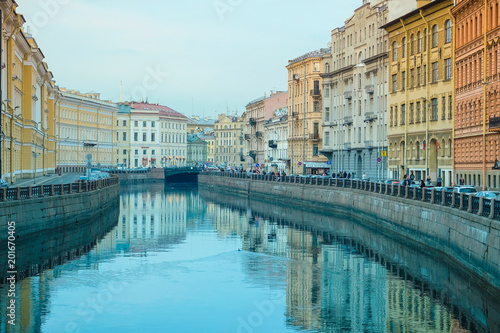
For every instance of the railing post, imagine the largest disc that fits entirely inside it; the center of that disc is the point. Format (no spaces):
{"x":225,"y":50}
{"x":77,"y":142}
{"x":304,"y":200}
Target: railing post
{"x":492,"y":208}
{"x":86,"y":186}
{"x":414,"y":193}
{"x":423,"y":193}
{"x":4,"y":194}
{"x":30,"y":192}
{"x":432,"y":195}
{"x":18,"y":193}
{"x":481,"y":202}
{"x":79,"y":187}
{"x":443,"y":197}
{"x":70,"y":188}
{"x":461,"y":207}
{"x":453,"y":199}
{"x":406,"y":192}
{"x":51,"y":191}
{"x":469,"y":208}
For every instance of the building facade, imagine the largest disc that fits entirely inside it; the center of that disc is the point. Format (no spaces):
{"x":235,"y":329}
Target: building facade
{"x":86,"y":128}
{"x":304,"y":113}
{"x":477,"y":109}
{"x":228,"y":141}
{"x":28,"y":135}
{"x":196,"y":150}
{"x":355,"y":91}
{"x":276,"y":142}
{"x":150,"y":135}
{"x":421,"y":103}
{"x":253,"y":134}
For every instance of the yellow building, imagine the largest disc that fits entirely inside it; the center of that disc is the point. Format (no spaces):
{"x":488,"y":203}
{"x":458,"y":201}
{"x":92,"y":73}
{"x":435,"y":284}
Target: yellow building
{"x":305,"y":113}
{"x":28,"y":141}
{"x":421,"y":92}
{"x":86,"y":126}
{"x":228,"y":141}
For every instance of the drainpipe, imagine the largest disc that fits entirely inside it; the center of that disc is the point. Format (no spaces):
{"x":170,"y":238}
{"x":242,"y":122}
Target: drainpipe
{"x":427,"y":82}
{"x":452,"y":106}
{"x":405,"y":153}
{"x":485,"y":83}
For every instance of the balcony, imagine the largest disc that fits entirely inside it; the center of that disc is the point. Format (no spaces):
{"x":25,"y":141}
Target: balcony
{"x":259,"y":134}
{"x":348,"y":94}
{"x":252,"y":154}
{"x":369,"y":144}
{"x":295,"y":115}
{"x":347,"y":146}
{"x":252,"y":122}
{"x":314,"y":137}
{"x":347,"y":120}
{"x":248,"y":136}
{"x":273,"y":144}
{"x":315,"y":93}
{"x":494,"y":124}
{"x":370,"y":89}
{"x":370,"y":116}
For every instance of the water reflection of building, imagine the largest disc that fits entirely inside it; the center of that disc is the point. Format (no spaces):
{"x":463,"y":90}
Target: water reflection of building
{"x":151,"y":216}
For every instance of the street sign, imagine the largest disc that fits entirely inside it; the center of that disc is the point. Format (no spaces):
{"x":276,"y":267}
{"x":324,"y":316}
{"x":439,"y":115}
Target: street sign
{"x":257,"y":165}
{"x":300,"y":163}
{"x":379,"y":159}
{"x":383,"y":153}
{"x":329,"y":162}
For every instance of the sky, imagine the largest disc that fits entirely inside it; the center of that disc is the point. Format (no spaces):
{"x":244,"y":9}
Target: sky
{"x":199,"y":57}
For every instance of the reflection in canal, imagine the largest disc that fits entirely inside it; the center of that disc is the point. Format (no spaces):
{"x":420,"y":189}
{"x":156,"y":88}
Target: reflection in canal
{"x":182,"y":261}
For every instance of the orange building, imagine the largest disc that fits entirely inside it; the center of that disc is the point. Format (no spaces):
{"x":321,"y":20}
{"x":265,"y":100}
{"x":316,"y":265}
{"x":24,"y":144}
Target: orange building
{"x":477,"y":100}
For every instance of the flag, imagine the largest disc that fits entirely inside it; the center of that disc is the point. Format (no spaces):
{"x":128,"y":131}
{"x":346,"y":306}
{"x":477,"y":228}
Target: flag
{"x":423,"y":145}
{"x":437,"y":145}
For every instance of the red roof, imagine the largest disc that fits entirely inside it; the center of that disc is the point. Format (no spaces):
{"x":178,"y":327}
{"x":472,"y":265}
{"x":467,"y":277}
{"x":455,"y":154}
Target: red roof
{"x":163,"y":110}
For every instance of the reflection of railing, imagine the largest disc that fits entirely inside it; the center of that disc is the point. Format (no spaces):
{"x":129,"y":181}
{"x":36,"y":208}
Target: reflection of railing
{"x":29,"y":192}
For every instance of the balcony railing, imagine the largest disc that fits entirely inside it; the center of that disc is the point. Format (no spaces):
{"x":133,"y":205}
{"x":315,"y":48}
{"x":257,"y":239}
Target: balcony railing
{"x":494,"y":124}
{"x":248,"y":136}
{"x":314,"y":136}
{"x":252,"y":122}
{"x":347,"y":146}
{"x":370,"y":89}
{"x":315,"y":92}
{"x":347,"y":120}
{"x":348,"y":94}
{"x":272,"y":144}
{"x":369,"y":144}
{"x":259,"y":134}
{"x":370,"y":116}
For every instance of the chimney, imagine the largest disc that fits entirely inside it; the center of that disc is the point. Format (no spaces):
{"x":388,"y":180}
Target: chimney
{"x":421,"y":3}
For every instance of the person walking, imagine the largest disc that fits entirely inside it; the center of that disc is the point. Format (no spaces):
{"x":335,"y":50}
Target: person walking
{"x":428,"y":180}
{"x":439,"y":181}
{"x":422,"y":183}
{"x":462,"y":181}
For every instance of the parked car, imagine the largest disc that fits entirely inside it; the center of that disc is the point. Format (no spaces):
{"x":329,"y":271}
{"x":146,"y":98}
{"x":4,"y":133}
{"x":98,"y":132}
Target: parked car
{"x":444,"y":188}
{"x":392,"y":182}
{"x":465,"y":189}
{"x":489,"y":194}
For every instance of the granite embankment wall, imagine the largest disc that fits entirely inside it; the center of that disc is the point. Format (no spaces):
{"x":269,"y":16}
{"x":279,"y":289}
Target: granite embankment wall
{"x":57,"y":211}
{"x":469,"y":240}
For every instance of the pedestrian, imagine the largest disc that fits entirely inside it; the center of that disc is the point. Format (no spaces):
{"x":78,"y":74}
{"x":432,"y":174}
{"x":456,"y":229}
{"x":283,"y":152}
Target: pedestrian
{"x":422,"y":183}
{"x":428,"y":180}
{"x":345,"y":174}
{"x":349,"y":175}
{"x":439,"y":181}
{"x":412,"y":176}
{"x":462,"y":180}
{"x":364,"y":176}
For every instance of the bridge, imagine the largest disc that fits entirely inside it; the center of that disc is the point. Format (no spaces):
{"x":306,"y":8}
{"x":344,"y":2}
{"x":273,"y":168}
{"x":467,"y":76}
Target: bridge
{"x":182,"y":175}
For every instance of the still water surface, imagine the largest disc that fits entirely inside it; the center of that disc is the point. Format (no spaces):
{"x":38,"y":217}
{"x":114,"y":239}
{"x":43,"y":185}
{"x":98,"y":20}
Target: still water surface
{"x":183,"y":260}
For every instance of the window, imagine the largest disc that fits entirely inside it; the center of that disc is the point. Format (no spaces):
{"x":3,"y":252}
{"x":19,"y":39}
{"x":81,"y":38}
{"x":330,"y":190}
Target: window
{"x":136,"y":152}
{"x":412,"y":45}
{"x":144,"y":139}
{"x":136,"y":136}
{"x":144,"y":123}
{"x":327,"y":139}
{"x":136,"y":123}
{"x":315,"y":150}
{"x":117,"y":123}
{"x":152,"y":124}
{"x":425,"y":75}
{"x":419,"y":76}
{"x":124,"y":135}
{"x":153,"y":137}
{"x":417,"y":120}
{"x":447,"y":31}
{"x":447,"y":69}
{"x":124,"y":151}
{"x":316,"y":67}
{"x":394,"y":82}
{"x":425,"y":40}
{"x":450,"y":106}
{"x":434,"y":102}
{"x":144,"y":152}
{"x":327,"y":114}
{"x":435,"y":72}
{"x":443,"y":107}
{"x":435,"y":35}
{"x":412,"y":109}
{"x":327,"y":68}
{"x":153,"y":152}
{"x":419,"y":42}
{"x":403,"y":114}
{"x":395,"y":51}
{"x":124,"y":123}
{"x":412,"y":78}
{"x":316,"y":106}
{"x":403,"y":80}
{"x":403,"y":48}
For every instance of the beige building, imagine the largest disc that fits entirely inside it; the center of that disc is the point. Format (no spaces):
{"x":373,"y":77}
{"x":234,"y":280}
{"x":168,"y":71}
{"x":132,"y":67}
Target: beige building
{"x":421,"y":92}
{"x":28,"y":116}
{"x":228,"y":141}
{"x":305,"y":113}
{"x":86,"y":126}
{"x":150,"y":135}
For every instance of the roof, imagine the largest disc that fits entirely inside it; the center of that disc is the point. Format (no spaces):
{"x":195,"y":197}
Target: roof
{"x":313,"y":54}
{"x":162,"y":110}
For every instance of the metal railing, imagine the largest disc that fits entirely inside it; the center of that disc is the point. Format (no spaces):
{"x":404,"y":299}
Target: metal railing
{"x":462,"y":201}
{"x":29,"y":192}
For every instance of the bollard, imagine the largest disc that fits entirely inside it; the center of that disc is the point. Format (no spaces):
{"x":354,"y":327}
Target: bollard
{"x":70,"y":189}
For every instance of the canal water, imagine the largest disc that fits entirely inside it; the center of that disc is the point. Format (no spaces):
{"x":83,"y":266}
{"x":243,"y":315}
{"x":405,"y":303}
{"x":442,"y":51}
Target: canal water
{"x":189,"y":260}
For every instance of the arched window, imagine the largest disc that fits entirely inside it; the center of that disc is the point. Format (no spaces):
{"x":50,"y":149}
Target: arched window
{"x":412,"y":45}
{"x":447,"y":31}
{"x":403,"y":45}
{"x":327,"y":68}
{"x":419,"y":42}
{"x":360,"y":57}
{"x":435,"y":36}
{"x":395,"y":51}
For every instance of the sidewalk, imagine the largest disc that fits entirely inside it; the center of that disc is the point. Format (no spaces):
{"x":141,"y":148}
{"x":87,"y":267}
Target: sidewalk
{"x":65,"y":178}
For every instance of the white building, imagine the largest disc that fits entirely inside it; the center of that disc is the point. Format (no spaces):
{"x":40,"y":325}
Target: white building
{"x":276,"y":142}
{"x":150,"y":135}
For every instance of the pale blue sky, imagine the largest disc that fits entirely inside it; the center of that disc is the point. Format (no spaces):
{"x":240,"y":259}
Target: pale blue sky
{"x":195,"y":56}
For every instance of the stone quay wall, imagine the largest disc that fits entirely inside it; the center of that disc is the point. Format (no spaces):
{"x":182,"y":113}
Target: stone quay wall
{"x":470,"y":240}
